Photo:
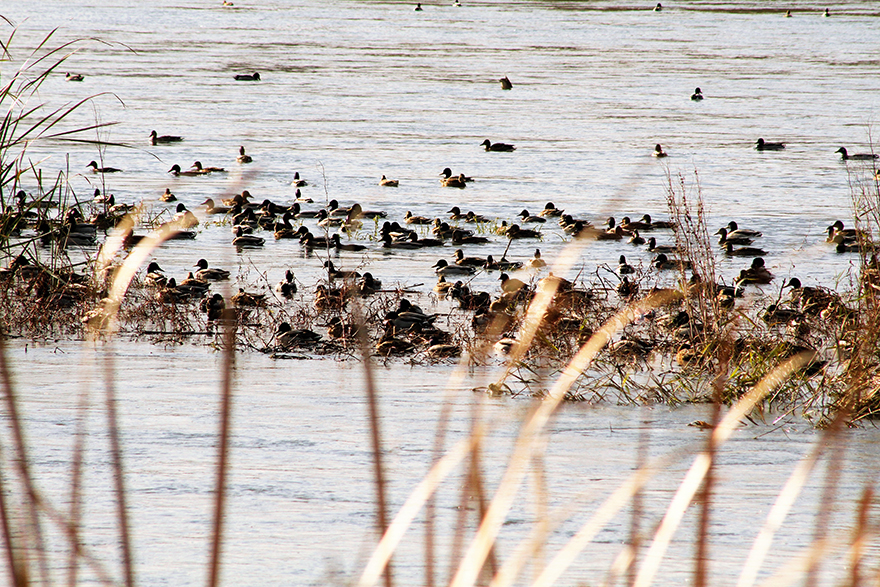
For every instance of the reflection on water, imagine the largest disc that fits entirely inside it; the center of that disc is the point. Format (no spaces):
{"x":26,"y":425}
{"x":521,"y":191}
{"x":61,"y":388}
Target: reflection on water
{"x":354,"y":90}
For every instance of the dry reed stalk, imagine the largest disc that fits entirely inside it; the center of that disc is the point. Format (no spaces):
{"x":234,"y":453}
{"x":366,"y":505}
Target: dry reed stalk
{"x":700,"y":468}
{"x":375,"y":432}
{"x":17,"y":572}
{"x":223,"y":451}
{"x":76,"y":489}
{"x":861,"y":536}
{"x":32,"y":499}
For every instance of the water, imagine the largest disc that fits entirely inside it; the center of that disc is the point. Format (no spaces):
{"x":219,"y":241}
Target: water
{"x":354,"y":90}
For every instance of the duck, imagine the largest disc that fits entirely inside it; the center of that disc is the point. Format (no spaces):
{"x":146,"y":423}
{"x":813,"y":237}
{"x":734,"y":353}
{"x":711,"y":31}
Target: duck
{"x":368,"y":285}
{"x":287,"y":286}
{"x":663,"y":263}
{"x":744,"y":251}
{"x":501,"y":265}
{"x":336,"y":328}
{"x":514,"y":231}
{"x":184,"y":218}
{"x":788,"y":14}
{"x":626,"y":288}
{"x":310,"y":241}
{"x":286,"y":336}
{"x":418,"y":7}
{"x":762,"y":145}
{"x":811,"y":300}
{"x":211,"y":208}
{"x":510,"y":284}
{"x":632,"y":225}
{"x":658,"y":151}
{"x":505,"y":83}
{"x":340,"y":246}
{"x":536,"y":261}
{"x":411,"y":219}
{"x":197,"y":165}
{"x":615,"y":233}
{"x":214,"y":307}
{"x":733,"y":230}
{"x":243,"y":157}
{"x":248,"y":299}
{"x":497,"y":147}
{"x":775,"y":314}
{"x":475,"y":218}
{"x":757,"y":273}
{"x":391,"y":345}
{"x":443,"y":268}
{"x":658,"y":8}
{"x":697,"y":95}
{"x":211,"y":274}
{"x":154,"y":275}
{"x":389,"y":183}
{"x":461,"y":237}
{"x":845,"y":156}
{"x":635,"y":239}
{"x":176,"y":171}
{"x":724,"y":239}
{"x":96,"y":169}
{"x":526,"y":217}
{"x":246,"y":240}
{"x":334,"y":209}
{"x":460,"y":259}
{"x":442,"y":286}
{"x":646,"y":218}
{"x":550,"y":210}
{"x":623,"y":267}
{"x":74,"y":77}
{"x":167,"y":196}
{"x":247,"y":77}
{"x":156,"y":139}
{"x":454,"y":182}
{"x":298,"y":181}
{"x":455,"y":213}
{"x":447,"y":173}
{"x":826,"y":13}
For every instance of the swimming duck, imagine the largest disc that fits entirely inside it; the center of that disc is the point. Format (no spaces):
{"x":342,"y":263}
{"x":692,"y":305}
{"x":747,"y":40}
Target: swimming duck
{"x":247,"y":77}
{"x":246,"y":240}
{"x":167,"y":196}
{"x":96,"y":169}
{"x":154,"y":275}
{"x":447,"y":174}
{"x":287,"y":286}
{"x":155,"y":139}
{"x":197,"y":166}
{"x":631,"y":225}
{"x":762,"y":145}
{"x":526,"y":217}
{"x":844,"y":156}
{"x":635,"y":239}
{"x":626,"y":288}
{"x":334,"y":209}
{"x":247,"y":299}
{"x":443,"y":268}
{"x":368,"y":285}
{"x":461,"y":237}
{"x":454,"y":182}
{"x":184,"y":218}
{"x":501,"y":264}
{"x":658,"y":8}
{"x":510,"y":284}
{"x":460,"y":259}
{"x":514,"y":231}
{"x":455,"y":213}
{"x":418,"y":7}
{"x":744,"y":251}
{"x":475,"y":218}
{"x":724,"y":239}
{"x":550,"y":210}
{"x":658,"y":151}
{"x":74,"y":77}
{"x":298,"y":181}
{"x":757,"y":273}
{"x":210,"y":208}
{"x":336,"y":328}
{"x":442,"y":286}
{"x":615,"y":233}
{"x":537,"y":261}
{"x":663,"y":263}
{"x":826,"y":13}
{"x":498,"y":147}
{"x":775,"y":314}
{"x":286,"y":336}
{"x":623,"y":267}
{"x":505,"y":83}
{"x":340,"y":246}
{"x":243,"y":157}
{"x":211,"y":274}
{"x":697,"y":95}
{"x":411,"y":219}
{"x":389,"y":183}
{"x":733,"y":230}
{"x":391,"y":345}
{"x":646,"y":218}
{"x":176,"y":171}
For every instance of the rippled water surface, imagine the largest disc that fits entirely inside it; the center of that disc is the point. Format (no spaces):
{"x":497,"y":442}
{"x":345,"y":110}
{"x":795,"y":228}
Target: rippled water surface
{"x":354,"y":90}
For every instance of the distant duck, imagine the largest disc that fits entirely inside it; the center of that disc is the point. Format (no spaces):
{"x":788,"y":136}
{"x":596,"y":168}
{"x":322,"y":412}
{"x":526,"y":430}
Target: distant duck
{"x":837,"y":232}
{"x":550,"y":210}
{"x":788,"y":14}
{"x":697,"y":95}
{"x":658,"y":8}
{"x":298,"y":182}
{"x":243,"y":157}
{"x":246,"y":240}
{"x":74,"y":77}
{"x":197,"y":165}
{"x":498,"y":147}
{"x":505,"y":83}
{"x":247,"y":77}
{"x":335,"y":273}
{"x":632,"y":225}
{"x":744,"y":251}
{"x":444,"y":269}
{"x":475,"y":218}
{"x":411,"y":219}
{"x":738,"y":239}
{"x":456,"y":3}
{"x":646,"y":218}
{"x":655,"y":248}
{"x":340,"y":246}
{"x":826,"y":13}
{"x":454,"y":182}
{"x":286,"y":336}
{"x":510,"y":284}
{"x":390,"y":183}
{"x":96,"y":169}
{"x":184,"y":218}
{"x":664,"y":263}
{"x":211,"y":274}
{"x":447,"y":174}
{"x":244,"y":298}
{"x":155,"y":139}
{"x":635,"y":239}
{"x":658,"y":151}
{"x":623,"y":267}
{"x":167,"y":196}
{"x":287,"y":286}
{"x":516,"y":232}
{"x":536,"y":261}
{"x":733,"y":230}
{"x":460,"y":259}
{"x":526,"y":217}
{"x":762,"y":145}
{"x":176,"y":171}
{"x":756,"y":273}
{"x":210,"y":208}
{"x":844,"y":156}
{"x":418,"y":7}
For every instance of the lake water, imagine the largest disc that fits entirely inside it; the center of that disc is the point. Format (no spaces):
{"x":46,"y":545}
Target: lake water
{"x":354,"y":90}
